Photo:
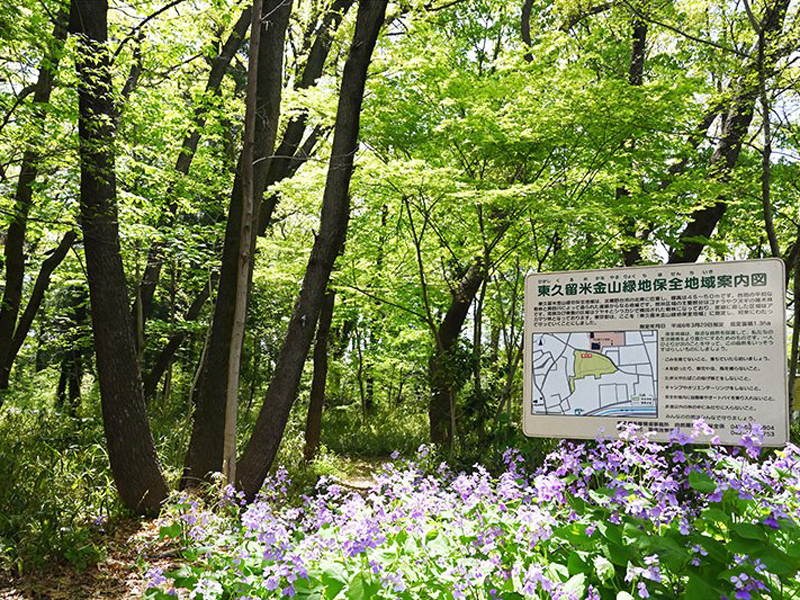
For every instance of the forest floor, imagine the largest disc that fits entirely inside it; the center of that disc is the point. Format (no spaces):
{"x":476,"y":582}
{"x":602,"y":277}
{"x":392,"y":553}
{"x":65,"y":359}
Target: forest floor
{"x":131,"y":549}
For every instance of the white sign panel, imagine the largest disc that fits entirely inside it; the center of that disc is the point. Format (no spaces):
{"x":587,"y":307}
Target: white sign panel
{"x":657,"y":346}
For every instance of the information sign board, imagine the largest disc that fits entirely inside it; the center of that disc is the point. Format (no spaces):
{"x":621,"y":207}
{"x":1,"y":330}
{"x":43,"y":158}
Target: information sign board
{"x":657,"y":346}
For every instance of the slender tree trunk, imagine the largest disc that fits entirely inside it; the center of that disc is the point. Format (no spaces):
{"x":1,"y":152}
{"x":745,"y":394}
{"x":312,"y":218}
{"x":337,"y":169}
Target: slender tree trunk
{"x":795,"y":350}
{"x":632,"y":253}
{"x":317,"y":398}
{"x":282,"y":391}
{"x":164,"y":358}
{"x":360,"y":374}
{"x":441,"y":412}
{"x":131,"y":450}
{"x":288,"y":157}
{"x":766,"y":153}
{"x":34,"y":302}
{"x":14,"y":254}
{"x":477,"y":334}
{"x":292,"y":152}
{"x":219,"y":67}
{"x":207,"y":441}
{"x":69,"y":383}
{"x":245,"y":256}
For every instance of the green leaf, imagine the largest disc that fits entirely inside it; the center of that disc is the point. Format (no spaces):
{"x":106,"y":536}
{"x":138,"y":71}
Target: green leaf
{"x":172,"y":531}
{"x":619,"y":555}
{"x":740,"y":545}
{"x":750,"y":531}
{"x":716,"y":515}
{"x":701,"y":482}
{"x":715,"y":549}
{"x":334,"y":578}
{"x":575,"y":563}
{"x":696,"y":587}
{"x":575,"y":586}
{"x":360,"y":587}
{"x":623,"y":595}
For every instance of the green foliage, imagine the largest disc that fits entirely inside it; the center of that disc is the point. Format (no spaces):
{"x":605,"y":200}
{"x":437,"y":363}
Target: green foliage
{"x":58,"y":496}
{"x":598,"y":521}
{"x":474,"y":146}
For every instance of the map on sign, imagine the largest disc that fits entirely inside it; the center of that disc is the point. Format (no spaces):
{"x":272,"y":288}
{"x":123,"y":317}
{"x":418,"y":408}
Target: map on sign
{"x":596,"y":373}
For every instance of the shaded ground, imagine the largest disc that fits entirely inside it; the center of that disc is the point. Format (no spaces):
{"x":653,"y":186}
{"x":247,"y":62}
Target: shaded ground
{"x":131,"y":550}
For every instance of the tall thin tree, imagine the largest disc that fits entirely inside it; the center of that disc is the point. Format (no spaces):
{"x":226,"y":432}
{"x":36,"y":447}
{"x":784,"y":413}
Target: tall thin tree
{"x":206,"y":446}
{"x":245,"y":236}
{"x":282,"y":391}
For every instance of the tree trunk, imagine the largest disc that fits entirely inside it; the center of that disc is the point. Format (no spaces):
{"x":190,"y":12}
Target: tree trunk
{"x":134,"y":462}
{"x":207,"y":441}
{"x":794,"y":352}
{"x":164,"y":358}
{"x":285,"y":161}
{"x":34,"y":302}
{"x":441,"y":406}
{"x":632,"y":253}
{"x":290,"y":153}
{"x":317,"y":398}
{"x":13,"y":250}
{"x":244,"y":251}
{"x":219,"y":67}
{"x":282,"y":391}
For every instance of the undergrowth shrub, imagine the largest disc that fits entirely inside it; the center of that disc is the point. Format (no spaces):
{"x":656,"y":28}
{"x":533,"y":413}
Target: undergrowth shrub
{"x":617,"y":518}
{"x":56,"y":493}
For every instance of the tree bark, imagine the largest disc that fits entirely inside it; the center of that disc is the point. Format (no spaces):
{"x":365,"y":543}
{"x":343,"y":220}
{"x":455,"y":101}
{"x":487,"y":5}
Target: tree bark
{"x":632,"y":254}
{"x":290,"y":153}
{"x":34,"y":302}
{"x":206,"y":445}
{"x":441,"y":406}
{"x":282,"y":391}
{"x":525,"y":27}
{"x":69,"y":384}
{"x":794,"y":352}
{"x":317,"y":398}
{"x":131,"y":450}
{"x":13,"y":250}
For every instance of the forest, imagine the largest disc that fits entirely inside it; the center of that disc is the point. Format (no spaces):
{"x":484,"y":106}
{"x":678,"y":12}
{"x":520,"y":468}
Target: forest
{"x":263,"y":280}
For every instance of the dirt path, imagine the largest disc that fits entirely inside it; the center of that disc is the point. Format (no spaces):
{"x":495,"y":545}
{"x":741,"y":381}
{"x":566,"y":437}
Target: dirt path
{"x":130,"y":550}
{"x":360,"y":474}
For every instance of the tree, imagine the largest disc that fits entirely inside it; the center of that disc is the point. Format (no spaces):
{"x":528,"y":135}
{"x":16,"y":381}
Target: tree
{"x":736,"y":119}
{"x":269,"y":427}
{"x":206,"y":445}
{"x":316,"y":401}
{"x":130,"y":443}
{"x":11,"y":333}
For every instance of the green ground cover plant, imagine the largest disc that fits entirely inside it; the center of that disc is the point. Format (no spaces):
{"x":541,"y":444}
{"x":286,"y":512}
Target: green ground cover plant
{"x":616,"y":518}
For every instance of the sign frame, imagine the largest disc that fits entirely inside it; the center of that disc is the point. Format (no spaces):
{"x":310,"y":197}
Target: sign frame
{"x":574,"y":426}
